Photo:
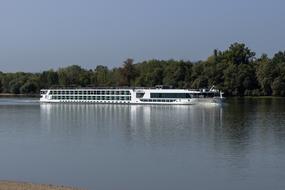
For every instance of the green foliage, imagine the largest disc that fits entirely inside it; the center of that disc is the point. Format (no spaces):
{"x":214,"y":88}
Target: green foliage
{"x":238,"y":54}
{"x":48,"y":79}
{"x":30,"y":87}
{"x":72,"y":76}
{"x":100,"y":76}
{"x":128,"y":72}
{"x":236,"y":71}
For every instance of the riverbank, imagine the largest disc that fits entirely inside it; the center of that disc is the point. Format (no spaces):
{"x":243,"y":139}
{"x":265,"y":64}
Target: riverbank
{"x":10,"y":185}
{"x":5,"y":95}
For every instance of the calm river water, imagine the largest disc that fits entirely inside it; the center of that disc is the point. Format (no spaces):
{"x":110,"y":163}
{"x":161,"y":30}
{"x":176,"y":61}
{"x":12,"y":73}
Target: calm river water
{"x":240,"y":145}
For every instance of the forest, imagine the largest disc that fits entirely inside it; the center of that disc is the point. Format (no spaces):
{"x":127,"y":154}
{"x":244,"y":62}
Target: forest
{"x":236,"y":71}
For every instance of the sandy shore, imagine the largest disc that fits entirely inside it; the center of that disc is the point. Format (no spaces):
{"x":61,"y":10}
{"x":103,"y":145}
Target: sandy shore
{"x":10,"y":185}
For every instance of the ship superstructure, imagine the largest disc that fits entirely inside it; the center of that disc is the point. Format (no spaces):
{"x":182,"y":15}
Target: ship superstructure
{"x":158,"y":95}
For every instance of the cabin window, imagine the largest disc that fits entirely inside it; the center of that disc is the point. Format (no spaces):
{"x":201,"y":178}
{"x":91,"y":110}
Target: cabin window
{"x":170,"y":95}
{"x":140,"y":94}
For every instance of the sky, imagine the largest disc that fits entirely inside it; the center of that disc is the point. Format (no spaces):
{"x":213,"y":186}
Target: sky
{"x":37,"y":35}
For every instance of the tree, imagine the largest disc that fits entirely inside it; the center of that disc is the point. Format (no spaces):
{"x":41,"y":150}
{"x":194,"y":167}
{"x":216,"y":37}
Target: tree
{"x":175,"y":73}
{"x":101,"y":76}
{"x":279,"y":57}
{"x":71,"y":76}
{"x":128,"y":72}
{"x":266,"y":72}
{"x":238,"y":53}
{"x":49,"y":78}
{"x":30,"y":87}
{"x":278,"y":87}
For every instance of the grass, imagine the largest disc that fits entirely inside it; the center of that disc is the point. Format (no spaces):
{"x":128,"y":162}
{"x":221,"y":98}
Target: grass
{"x":10,"y":185}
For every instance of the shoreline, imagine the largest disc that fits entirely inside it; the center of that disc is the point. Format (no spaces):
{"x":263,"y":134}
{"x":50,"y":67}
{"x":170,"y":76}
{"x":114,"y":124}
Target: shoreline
{"x":7,"y":95}
{"x":13,"y":185}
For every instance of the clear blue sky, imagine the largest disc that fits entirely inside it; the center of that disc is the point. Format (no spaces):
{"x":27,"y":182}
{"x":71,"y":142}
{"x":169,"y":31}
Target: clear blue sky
{"x":40,"y":34}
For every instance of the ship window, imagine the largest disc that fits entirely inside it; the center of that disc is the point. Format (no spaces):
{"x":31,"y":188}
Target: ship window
{"x":170,"y":95}
{"x":140,"y":94}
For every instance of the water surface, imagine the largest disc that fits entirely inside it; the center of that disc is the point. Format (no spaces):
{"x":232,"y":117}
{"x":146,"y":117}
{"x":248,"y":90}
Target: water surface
{"x":236,"y":146}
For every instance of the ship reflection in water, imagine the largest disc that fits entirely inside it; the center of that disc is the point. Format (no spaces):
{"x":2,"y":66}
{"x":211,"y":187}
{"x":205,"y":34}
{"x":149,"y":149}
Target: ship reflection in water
{"x":151,"y":123}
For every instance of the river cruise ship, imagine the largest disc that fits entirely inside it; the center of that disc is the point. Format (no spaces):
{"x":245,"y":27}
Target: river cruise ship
{"x":158,"y":95}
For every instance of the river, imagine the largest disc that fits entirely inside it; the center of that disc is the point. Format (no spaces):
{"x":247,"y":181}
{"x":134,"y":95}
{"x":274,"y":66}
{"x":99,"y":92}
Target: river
{"x":240,"y":145}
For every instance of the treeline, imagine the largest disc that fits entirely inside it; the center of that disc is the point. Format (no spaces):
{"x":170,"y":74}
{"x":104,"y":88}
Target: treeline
{"x":236,"y":71}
